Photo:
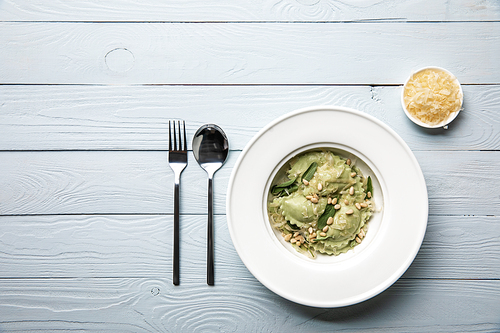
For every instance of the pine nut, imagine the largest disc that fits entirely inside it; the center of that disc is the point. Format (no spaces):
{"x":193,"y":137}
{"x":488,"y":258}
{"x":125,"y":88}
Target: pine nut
{"x":298,"y":243}
{"x":363,"y":204}
{"x":314,"y":200}
{"x":325,"y":229}
{"x":296,"y":234}
{"x":329,"y":201}
{"x":337,"y":206}
{"x":334,"y":201}
{"x":320,"y":187}
{"x":329,"y":221}
{"x":351,"y":190}
{"x":369,"y":195}
{"x":293,"y":240}
{"x":362,"y":233}
{"x":346,"y":202}
{"x":309,"y":197}
{"x":348,"y":162}
{"x":310,"y":230}
{"x":358,"y":206}
{"x":313,"y":235}
{"x":349,"y":212}
{"x":322,"y":234}
{"x":288,"y":237}
{"x":305,"y":182}
{"x":353,"y":174}
{"x":358,"y":240}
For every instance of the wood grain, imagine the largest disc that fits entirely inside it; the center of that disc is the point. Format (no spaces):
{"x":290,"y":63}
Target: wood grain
{"x":241,"y":305}
{"x":458,"y":245}
{"x":220,"y":53}
{"x":118,"y":182}
{"x":261,"y":10}
{"x":86,"y":92}
{"x":58,"y":117}
{"x":140,"y":246}
{"x":446,"y":175}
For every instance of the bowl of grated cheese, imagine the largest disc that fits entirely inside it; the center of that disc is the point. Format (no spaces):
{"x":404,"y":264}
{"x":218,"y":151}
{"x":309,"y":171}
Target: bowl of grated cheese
{"x":432,"y":97}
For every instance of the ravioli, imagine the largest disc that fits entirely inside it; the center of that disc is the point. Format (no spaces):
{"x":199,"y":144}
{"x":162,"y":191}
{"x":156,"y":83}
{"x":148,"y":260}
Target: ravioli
{"x":322,"y":204}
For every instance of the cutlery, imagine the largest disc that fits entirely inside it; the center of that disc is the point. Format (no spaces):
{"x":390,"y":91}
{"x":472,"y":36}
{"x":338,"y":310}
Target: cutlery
{"x":210,"y":149}
{"x":177,"y":159}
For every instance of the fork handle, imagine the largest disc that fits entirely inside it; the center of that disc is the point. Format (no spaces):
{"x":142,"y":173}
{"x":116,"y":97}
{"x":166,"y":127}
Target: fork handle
{"x":210,"y":235}
{"x":176,"y":234}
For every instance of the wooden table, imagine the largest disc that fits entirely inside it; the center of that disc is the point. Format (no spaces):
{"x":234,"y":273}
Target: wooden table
{"x":86,"y":92}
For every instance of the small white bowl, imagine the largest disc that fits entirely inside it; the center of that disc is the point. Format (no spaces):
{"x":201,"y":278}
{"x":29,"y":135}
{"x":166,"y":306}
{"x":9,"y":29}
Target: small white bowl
{"x":451,"y":117}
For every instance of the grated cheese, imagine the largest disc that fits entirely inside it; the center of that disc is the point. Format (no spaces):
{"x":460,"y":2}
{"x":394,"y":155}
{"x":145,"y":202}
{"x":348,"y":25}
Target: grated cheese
{"x":432,"y":95}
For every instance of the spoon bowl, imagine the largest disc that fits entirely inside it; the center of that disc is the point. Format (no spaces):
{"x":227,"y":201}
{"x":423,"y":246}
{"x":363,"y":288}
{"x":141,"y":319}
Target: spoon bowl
{"x":210,"y":149}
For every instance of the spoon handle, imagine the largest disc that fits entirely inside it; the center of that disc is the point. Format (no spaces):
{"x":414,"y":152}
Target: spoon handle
{"x":210,"y":235}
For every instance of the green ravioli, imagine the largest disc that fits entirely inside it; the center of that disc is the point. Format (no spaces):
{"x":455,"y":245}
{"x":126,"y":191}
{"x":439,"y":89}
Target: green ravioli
{"x":318,"y":177}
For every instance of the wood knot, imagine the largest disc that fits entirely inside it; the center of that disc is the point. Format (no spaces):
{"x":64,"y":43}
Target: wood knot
{"x":155,"y":291}
{"x":119,"y":60}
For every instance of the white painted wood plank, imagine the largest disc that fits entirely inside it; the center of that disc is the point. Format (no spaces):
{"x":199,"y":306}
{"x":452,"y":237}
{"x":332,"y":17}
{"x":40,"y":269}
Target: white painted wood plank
{"x":95,"y":246}
{"x":262,"y":10}
{"x":449,"y":176}
{"x":103,"y":182}
{"x":240,"y":305}
{"x":221,"y":53}
{"x":457,"y":246}
{"x":136,"y":117}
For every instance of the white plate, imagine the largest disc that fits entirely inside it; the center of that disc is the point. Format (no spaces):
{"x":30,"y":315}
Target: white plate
{"x":395,"y":231}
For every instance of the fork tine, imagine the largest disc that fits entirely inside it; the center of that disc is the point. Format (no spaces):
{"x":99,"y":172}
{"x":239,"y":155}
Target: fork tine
{"x":175,"y":139}
{"x":169,"y":137}
{"x":180,"y":135}
{"x":185,"y":141}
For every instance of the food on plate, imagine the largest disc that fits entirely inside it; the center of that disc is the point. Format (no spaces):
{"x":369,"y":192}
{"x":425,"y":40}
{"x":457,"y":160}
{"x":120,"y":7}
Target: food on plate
{"x":432,"y":95}
{"x":321,"y":204}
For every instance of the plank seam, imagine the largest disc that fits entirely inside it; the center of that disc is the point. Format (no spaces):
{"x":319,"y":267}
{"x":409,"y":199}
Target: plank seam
{"x":153,"y":277}
{"x":229,"y":84}
{"x":393,"y":20}
{"x":189,"y":214}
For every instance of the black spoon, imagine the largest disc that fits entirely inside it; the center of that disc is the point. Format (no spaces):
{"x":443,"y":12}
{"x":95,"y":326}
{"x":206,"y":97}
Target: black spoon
{"x":210,"y":148}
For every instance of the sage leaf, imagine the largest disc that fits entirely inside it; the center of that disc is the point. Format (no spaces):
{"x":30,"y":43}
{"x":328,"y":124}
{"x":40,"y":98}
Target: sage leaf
{"x":275,"y":190}
{"x":329,"y":212}
{"x":285,"y":188}
{"x":310,"y":171}
{"x":292,"y":226}
{"x":278,"y":188}
{"x":291,"y":189}
{"x":369,"y":186}
{"x":286,"y":184}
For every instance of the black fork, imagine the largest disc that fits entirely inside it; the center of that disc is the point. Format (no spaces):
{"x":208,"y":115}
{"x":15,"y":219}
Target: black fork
{"x":177,"y":159}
